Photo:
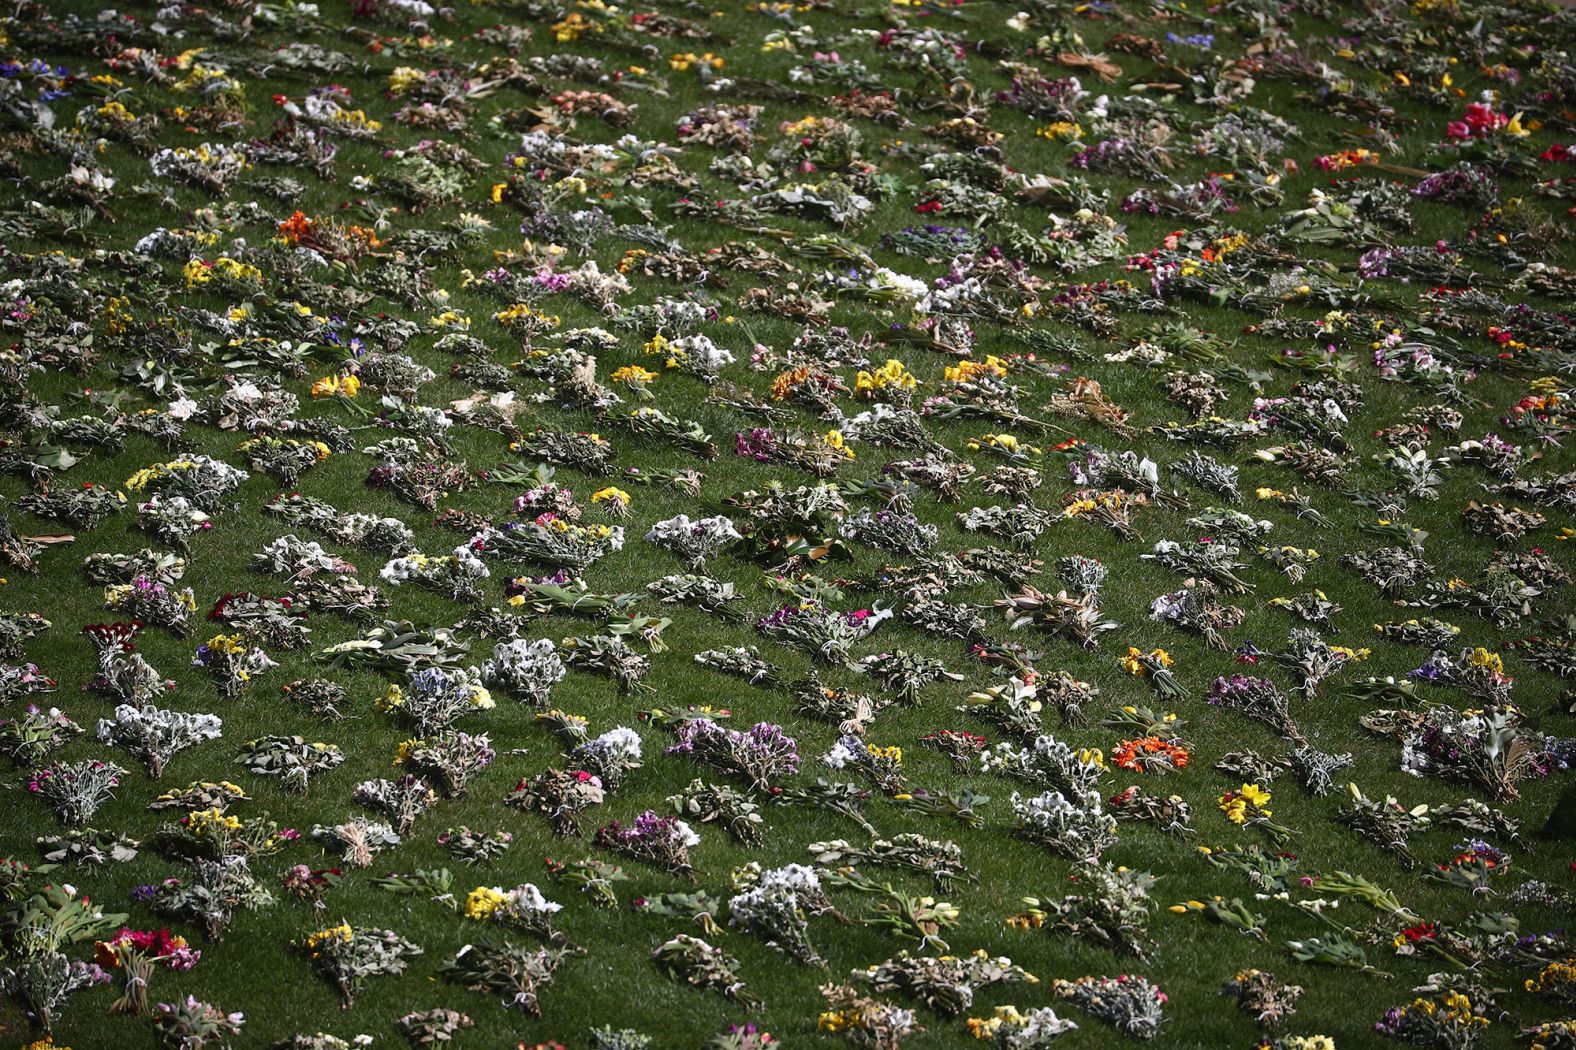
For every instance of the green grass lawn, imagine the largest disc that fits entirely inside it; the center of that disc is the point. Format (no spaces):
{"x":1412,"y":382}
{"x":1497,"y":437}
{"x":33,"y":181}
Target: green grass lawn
{"x":253,"y":970}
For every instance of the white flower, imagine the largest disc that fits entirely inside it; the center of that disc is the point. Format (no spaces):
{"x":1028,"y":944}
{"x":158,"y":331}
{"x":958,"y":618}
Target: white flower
{"x":621,"y":741}
{"x":796,"y":877}
{"x":840,"y":757}
{"x":528,"y":898}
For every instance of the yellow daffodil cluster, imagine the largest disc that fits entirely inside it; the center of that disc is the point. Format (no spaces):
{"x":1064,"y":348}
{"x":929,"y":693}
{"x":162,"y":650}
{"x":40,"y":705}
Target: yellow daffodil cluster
{"x":633,"y":376}
{"x":148,"y":475}
{"x":894,"y":374}
{"x":118,"y":318}
{"x":1132,"y":664}
{"x":1099,"y":501}
{"x":1481,"y":657}
{"x":559,"y":717}
{"x":836,"y":442}
{"x":687,"y":60}
{"x":1248,"y":800}
{"x":893,"y":754}
{"x":201,"y":823}
{"x":483,"y":903}
{"x":1005,"y":443}
{"x":450,"y":321}
{"x":572,"y":26}
{"x":223,"y":268}
{"x":317,"y":943}
{"x":1060,"y":131}
{"x":1307,"y":1042}
{"x":235,"y":791}
{"x":336,"y":386}
{"x":969,"y":371}
{"x":660,"y":346}
{"x":990,"y":1027}
{"x":405,"y":78}
{"x":229,"y":644}
{"x":1556,"y":980}
{"x":1456,"y":1008}
{"x":524,"y":313}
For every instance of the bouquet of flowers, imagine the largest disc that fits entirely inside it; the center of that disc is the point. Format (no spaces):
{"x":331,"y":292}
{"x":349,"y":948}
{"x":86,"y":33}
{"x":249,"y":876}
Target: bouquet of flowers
{"x":771,"y":909}
{"x":371,"y":531}
{"x":701,"y":965}
{"x":292,"y":759}
{"x":864,"y":1021}
{"x":1076,"y":826}
{"x":191,"y":1024}
{"x":1131,"y":1004}
{"x":457,"y":575}
{"x":694,"y":541}
{"x":1449,"y":1020}
{"x":275,"y":621}
{"x":347,"y":956}
{"x":760,"y":755}
{"x":402,"y":800}
{"x":231,"y":663}
{"x":136,"y":954}
{"x":662,"y":841}
{"x":505,"y":969}
{"x":820,"y":630}
{"x":946,"y":984}
{"x":551,"y":539}
{"x":526,"y":670}
{"x":1059,"y":614}
{"x":145,"y":600}
{"x":718,"y":803}
{"x":449,"y":758}
{"x":154,"y":736}
{"x":1154,"y":666}
{"x":122,"y":671}
{"x":883,"y":766}
{"x":37,"y":734}
{"x":1196,"y":608}
{"x":1012,"y":1029}
{"x":1112,"y":909}
{"x":1248,"y":806}
{"x":609,"y":757}
{"x":1257,"y":698}
{"x":523,"y":907}
{"x":76,"y":790}
{"x":558,"y":795}
{"x":436,"y":697}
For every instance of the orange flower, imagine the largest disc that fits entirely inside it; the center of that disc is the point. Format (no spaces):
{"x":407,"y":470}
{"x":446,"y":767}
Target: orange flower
{"x":1148,"y":753}
{"x":296,"y":229}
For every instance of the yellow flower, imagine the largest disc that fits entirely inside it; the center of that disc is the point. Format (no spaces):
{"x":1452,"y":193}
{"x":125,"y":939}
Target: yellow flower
{"x":894,"y":373}
{"x":484,"y":902}
{"x":336,"y":386}
{"x":404,"y":78}
{"x":633,"y":375}
{"x":835,"y":440}
{"x":1060,"y":130}
{"x":1481,"y":657}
